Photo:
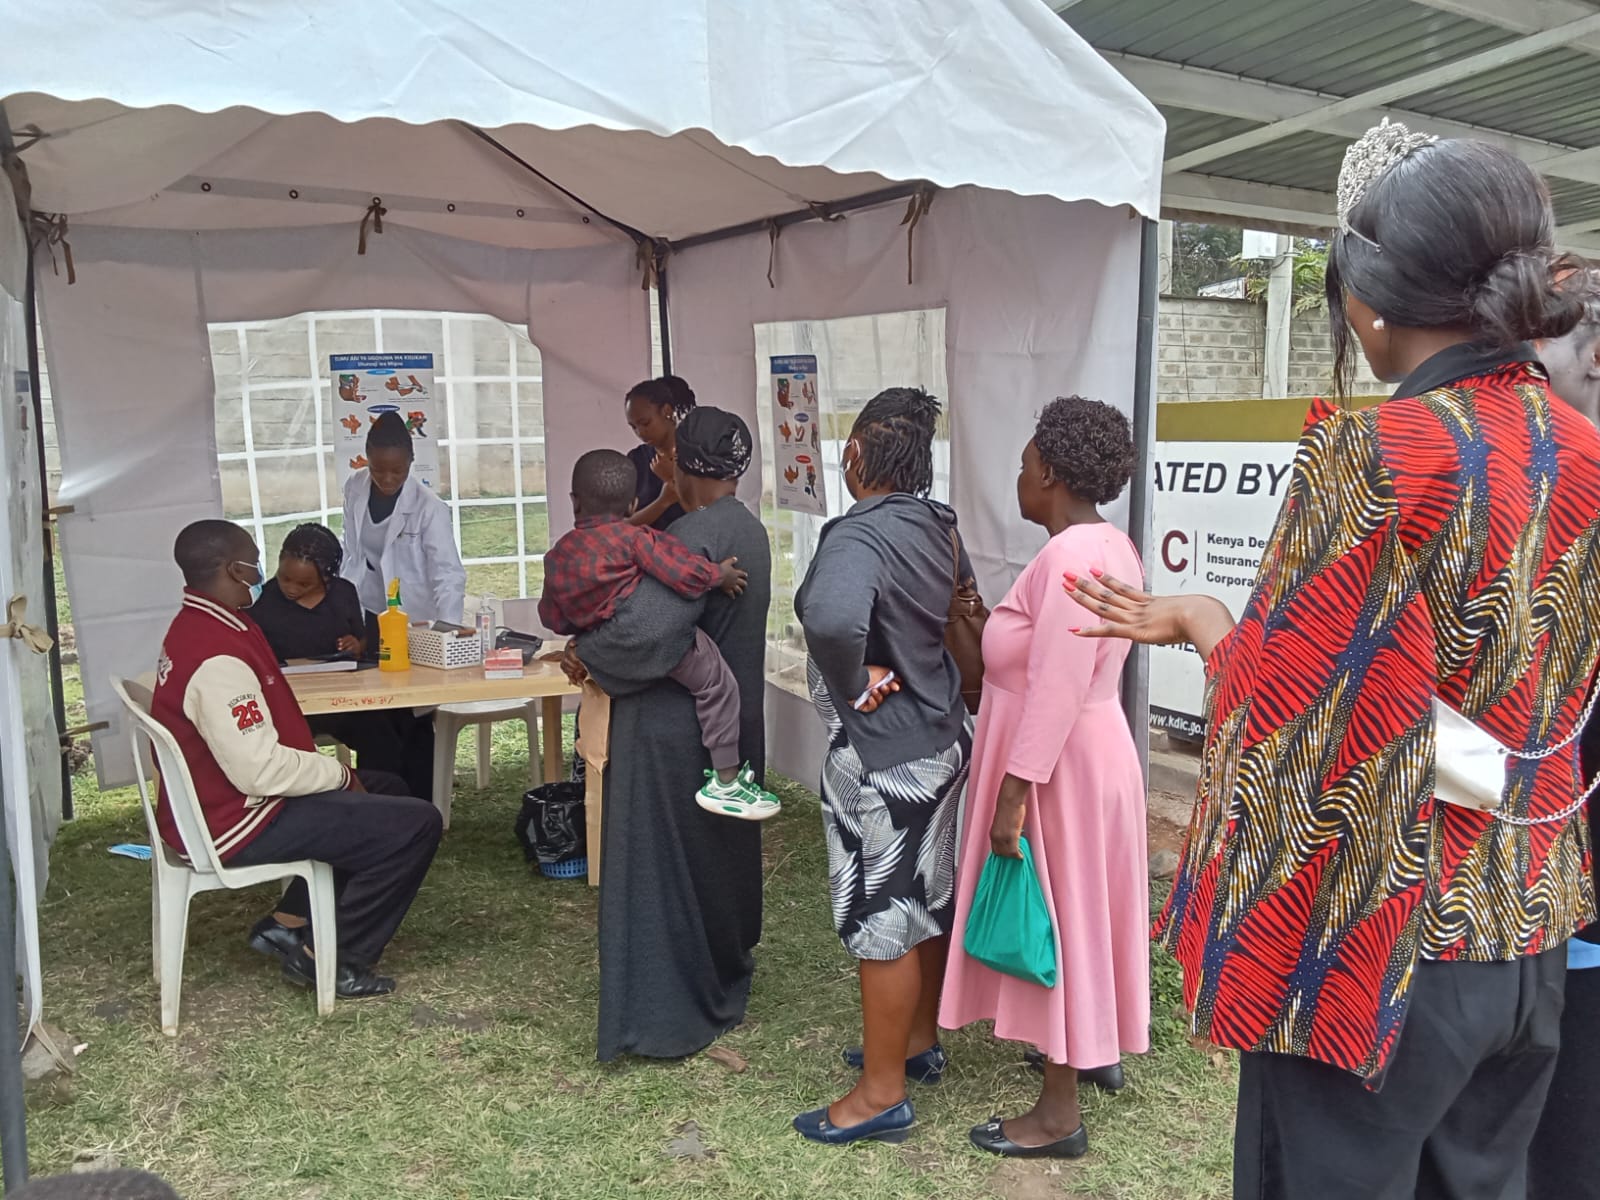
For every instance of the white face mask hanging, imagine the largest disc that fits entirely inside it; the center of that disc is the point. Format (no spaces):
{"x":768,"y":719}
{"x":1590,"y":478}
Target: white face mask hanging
{"x":1471,"y":765}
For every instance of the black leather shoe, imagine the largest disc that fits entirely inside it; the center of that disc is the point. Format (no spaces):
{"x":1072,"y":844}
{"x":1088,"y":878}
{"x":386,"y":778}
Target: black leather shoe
{"x":275,"y":940}
{"x":350,"y":983}
{"x":991,"y":1136}
{"x":1107,"y":1079}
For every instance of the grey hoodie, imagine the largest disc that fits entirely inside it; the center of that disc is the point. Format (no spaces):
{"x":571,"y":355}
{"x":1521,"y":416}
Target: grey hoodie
{"x":878,"y":592}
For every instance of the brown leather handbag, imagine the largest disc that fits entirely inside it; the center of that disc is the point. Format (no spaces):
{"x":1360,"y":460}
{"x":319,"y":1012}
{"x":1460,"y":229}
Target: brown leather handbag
{"x":963,"y":630}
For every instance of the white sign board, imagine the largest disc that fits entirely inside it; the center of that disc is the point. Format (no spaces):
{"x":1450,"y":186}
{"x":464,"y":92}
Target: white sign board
{"x":365,"y":386}
{"x":797,"y":434}
{"x":1215,"y":504}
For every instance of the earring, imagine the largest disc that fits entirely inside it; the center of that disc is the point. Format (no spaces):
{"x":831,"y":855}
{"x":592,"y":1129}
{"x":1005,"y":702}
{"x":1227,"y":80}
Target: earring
{"x":1378,"y":324}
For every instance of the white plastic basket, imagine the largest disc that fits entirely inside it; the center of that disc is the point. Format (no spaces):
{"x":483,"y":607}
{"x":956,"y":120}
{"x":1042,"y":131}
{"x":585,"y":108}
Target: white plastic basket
{"x":443,"y":648}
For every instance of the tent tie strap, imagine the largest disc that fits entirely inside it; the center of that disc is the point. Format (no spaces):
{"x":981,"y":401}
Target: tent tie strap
{"x":921,"y":202}
{"x":774,"y":230}
{"x":373,"y":219}
{"x":50,"y":230}
{"x":650,"y":256}
{"x":31,"y":636}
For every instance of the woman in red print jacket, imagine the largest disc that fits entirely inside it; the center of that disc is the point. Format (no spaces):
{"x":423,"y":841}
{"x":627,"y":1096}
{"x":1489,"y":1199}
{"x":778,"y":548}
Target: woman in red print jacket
{"x":1392,"y":966}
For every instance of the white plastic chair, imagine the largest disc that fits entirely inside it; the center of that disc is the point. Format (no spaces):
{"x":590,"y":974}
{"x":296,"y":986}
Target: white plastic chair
{"x":175,"y":882}
{"x":448,"y":722}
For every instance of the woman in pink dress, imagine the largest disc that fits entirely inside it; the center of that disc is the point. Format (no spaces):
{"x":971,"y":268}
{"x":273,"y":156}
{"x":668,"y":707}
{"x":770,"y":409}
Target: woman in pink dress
{"x":1053,"y":758}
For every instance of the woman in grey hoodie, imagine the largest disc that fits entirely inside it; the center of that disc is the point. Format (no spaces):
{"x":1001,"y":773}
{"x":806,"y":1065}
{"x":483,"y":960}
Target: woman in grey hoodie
{"x":874,"y":606}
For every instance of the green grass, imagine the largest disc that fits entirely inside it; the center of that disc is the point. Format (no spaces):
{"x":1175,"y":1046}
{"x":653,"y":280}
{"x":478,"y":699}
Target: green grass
{"x":478,"y":1079}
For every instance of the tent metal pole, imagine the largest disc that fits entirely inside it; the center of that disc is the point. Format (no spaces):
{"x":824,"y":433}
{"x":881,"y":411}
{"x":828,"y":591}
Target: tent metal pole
{"x":58,"y":695}
{"x":1141,"y":491}
{"x":30,"y":303}
{"x":663,"y":322}
{"x":817,"y":212}
{"x":13,"y":1104}
{"x":548,"y":182}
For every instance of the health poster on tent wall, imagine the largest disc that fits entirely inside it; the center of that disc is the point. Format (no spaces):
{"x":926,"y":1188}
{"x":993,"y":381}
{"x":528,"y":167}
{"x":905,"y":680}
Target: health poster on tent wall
{"x":797,"y":434}
{"x":365,"y":386}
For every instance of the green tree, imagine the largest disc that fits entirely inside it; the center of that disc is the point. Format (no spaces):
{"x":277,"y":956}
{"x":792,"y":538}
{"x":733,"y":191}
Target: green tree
{"x":1203,"y":255}
{"x":1310,"y":268}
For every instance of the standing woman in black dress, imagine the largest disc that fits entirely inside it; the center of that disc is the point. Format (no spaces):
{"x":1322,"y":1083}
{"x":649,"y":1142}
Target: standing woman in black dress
{"x":654,"y":409}
{"x":308,"y":611}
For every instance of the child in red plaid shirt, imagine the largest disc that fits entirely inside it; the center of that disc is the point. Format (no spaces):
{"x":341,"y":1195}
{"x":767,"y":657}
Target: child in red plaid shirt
{"x":591,"y":570}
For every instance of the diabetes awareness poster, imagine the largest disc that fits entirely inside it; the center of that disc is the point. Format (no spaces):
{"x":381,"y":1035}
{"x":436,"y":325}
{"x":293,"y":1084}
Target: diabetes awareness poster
{"x":797,"y":434}
{"x":365,"y":386}
{"x":1215,"y":503}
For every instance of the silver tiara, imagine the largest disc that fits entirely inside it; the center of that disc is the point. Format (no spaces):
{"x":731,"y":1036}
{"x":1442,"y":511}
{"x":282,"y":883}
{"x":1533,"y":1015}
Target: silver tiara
{"x":1369,"y":158}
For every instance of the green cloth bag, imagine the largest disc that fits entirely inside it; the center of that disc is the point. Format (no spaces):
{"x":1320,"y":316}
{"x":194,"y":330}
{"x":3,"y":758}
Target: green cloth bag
{"x":1009,"y":928}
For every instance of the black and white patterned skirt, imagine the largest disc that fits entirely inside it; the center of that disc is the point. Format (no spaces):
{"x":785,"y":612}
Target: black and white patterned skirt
{"x":891,"y":840}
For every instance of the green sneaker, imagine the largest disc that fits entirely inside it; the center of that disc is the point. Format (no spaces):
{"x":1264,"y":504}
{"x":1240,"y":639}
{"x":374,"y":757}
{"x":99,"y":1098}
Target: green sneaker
{"x":746,"y":775}
{"x":740,"y":799}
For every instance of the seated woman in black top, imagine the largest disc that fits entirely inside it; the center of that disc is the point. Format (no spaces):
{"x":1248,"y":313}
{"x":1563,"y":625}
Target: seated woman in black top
{"x":307,"y":611}
{"x":654,"y":409}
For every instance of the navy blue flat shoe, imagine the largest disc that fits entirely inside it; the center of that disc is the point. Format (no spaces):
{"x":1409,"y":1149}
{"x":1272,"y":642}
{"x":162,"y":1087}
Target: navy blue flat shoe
{"x":991,"y":1137}
{"x":891,"y":1125}
{"x":927,"y":1067}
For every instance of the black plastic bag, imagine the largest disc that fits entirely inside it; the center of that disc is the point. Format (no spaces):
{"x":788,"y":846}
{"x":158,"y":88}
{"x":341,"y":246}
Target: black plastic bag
{"x":551,"y":825}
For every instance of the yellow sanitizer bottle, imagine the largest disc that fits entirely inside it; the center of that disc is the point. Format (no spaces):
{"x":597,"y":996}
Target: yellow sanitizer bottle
{"x":394,"y":648}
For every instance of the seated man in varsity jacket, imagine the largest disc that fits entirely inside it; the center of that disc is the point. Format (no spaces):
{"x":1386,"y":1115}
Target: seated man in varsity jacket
{"x":267,"y":794}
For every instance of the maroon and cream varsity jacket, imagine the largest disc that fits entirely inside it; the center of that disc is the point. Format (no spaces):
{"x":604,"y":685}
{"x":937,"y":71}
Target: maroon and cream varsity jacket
{"x":221,"y":694}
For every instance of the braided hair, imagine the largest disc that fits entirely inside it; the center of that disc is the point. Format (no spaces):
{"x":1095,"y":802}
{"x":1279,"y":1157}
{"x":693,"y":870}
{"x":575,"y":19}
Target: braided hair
{"x":682,"y":393}
{"x":669,"y":391}
{"x":895,"y":433}
{"x":317,"y":545}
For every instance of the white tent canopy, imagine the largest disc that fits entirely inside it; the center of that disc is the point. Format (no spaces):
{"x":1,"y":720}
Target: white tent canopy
{"x":216,"y":163}
{"x":661,"y":115}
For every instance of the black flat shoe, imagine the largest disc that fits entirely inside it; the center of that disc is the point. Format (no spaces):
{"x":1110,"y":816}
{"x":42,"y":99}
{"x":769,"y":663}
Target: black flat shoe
{"x":1107,"y":1079}
{"x":275,"y":940}
{"x":350,"y":983}
{"x":990,"y":1137}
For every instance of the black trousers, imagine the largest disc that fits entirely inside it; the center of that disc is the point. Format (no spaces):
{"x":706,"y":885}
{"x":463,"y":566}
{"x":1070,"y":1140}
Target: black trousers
{"x":1564,"y":1161}
{"x":392,"y":740}
{"x":1454,"y":1116}
{"x":379,"y":843}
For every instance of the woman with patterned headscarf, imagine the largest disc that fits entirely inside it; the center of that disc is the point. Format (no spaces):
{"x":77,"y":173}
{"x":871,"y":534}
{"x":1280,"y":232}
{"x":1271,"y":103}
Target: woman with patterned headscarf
{"x":1387,"y":852}
{"x":680,"y":888}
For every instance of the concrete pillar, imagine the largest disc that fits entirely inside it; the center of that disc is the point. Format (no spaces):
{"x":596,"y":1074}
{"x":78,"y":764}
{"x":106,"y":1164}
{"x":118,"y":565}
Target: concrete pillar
{"x":1280,"y":310}
{"x":1164,"y":254}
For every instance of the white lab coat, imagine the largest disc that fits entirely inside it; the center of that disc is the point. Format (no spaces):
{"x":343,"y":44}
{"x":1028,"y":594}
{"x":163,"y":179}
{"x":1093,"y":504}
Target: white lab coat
{"x":419,"y":549}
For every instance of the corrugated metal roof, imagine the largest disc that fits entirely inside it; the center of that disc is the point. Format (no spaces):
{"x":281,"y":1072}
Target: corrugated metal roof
{"x":1554,"y":97}
{"x":1189,"y":130}
{"x":1575,"y":202}
{"x":1301,"y":160}
{"x":1342,"y":48}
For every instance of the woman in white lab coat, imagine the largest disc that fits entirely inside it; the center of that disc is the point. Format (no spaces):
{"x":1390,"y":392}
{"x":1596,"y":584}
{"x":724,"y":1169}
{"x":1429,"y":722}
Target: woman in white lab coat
{"x":395,"y":528}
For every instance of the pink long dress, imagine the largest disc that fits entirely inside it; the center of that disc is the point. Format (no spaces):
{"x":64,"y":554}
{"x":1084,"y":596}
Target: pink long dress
{"x":1051,"y":715}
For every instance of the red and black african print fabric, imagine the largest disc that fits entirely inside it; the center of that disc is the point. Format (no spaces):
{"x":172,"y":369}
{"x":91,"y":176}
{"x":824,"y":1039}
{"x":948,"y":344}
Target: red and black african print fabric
{"x":1443,"y":543}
